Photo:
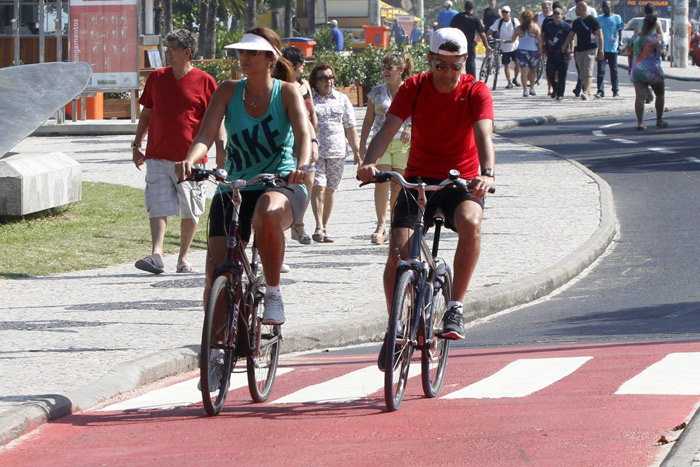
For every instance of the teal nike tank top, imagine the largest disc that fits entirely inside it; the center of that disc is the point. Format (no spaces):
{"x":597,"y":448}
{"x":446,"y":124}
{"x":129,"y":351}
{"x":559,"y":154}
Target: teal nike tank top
{"x":257,"y":145}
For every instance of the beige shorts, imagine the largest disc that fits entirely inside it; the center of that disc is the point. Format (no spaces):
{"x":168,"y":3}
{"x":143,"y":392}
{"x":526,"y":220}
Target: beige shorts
{"x":396,"y":155}
{"x":164,"y":196}
{"x":585,"y":61}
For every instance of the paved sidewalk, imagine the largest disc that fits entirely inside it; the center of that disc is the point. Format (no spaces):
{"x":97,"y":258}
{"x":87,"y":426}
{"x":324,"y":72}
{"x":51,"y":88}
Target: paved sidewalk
{"x":73,"y":340}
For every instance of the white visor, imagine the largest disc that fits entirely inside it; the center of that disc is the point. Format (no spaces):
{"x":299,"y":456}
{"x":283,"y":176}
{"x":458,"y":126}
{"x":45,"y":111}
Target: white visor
{"x":254,"y":42}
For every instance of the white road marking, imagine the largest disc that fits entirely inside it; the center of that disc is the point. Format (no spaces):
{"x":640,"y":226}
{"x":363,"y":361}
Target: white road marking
{"x":521,"y":378}
{"x":675,"y":374}
{"x":692,"y":113}
{"x":663,"y":150}
{"x":610,"y":125}
{"x":623,"y":141}
{"x":598,"y":133}
{"x":177,"y":395}
{"x":346,"y":388}
{"x":684,"y":311}
{"x":693,"y":159}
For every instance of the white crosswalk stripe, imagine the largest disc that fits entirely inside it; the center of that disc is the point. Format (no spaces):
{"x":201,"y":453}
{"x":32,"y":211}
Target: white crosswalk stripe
{"x":521,"y":378}
{"x":177,"y":395}
{"x":349,"y":387}
{"x":675,"y":374}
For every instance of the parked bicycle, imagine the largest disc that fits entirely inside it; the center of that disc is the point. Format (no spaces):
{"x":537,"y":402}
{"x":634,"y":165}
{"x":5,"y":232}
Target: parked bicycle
{"x":421,"y":292}
{"x":492,"y":64}
{"x":233,"y":326}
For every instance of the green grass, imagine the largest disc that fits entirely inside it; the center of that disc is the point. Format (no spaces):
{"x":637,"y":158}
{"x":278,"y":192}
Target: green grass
{"x":108,"y":226}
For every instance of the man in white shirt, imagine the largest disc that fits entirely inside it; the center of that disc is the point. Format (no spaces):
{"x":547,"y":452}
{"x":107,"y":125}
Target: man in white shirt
{"x":546,"y":11}
{"x":504,"y":29}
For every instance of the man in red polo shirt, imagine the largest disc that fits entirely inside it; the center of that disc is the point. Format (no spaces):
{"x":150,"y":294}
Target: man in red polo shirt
{"x":174,"y":101}
{"x":452,"y":117}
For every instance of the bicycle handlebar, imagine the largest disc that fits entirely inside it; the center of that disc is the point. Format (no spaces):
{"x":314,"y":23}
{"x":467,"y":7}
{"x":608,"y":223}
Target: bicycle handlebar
{"x":453,"y":179}
{"x":219,"y":176}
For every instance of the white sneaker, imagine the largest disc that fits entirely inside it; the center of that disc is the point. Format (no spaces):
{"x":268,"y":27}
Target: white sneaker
{"x":274,"y":309}
{"x":285,"y":268}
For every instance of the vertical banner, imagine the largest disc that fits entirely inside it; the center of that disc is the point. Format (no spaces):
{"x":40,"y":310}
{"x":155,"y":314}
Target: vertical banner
{"x":105,"y":34}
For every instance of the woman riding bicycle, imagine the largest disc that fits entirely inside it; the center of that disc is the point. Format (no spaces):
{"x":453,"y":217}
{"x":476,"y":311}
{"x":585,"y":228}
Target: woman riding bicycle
{"x":267,"y":128}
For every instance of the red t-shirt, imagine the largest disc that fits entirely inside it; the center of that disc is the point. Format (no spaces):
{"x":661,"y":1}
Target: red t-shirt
{"x":178,"y":109}
{"x":442,"y":134}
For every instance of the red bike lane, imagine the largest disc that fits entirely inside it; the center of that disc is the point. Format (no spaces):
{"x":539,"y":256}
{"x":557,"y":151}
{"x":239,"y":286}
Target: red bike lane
{"x":592,"y":415}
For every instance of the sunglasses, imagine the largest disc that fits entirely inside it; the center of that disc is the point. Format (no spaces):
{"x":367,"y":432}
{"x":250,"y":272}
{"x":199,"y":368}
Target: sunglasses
{"x":326,"y":78}
{"x":440,"y":65}
{"x":250,"y":53}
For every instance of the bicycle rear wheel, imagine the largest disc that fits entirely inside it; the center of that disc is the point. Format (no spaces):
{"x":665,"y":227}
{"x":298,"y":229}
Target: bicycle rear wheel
{"x":399,"y":347}
{"x":217,"y":355}
{"x":540,"y":69}
{"x":262,"y":364}
{"x":434,"y":358}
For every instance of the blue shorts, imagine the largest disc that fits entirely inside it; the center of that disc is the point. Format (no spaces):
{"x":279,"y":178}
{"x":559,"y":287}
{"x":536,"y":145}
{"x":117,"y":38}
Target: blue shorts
{"x":527,"y":58}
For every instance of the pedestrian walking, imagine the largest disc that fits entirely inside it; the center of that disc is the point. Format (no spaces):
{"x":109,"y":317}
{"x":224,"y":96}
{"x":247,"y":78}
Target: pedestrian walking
{"x":337,"y":36}
{"x":395,"y":69}
{"x":416,"y":34}
{"x":470,"y":26}
{"x":554,"y":35}
{"x":645,"y":51}
{"x":490,"y":15}
{"x":504,"y":29}
{"x":445,"y":17}
{"x":336,"y":123}
{"x":612,"y":26}
{"x":589,"y":46}
{"x":529,"y":50}
{"x":174,"y":100}
{"x":544,"y":13}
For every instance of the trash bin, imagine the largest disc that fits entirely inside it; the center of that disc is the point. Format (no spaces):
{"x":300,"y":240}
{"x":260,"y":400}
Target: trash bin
{"x":378,"y":36}
{"x":305,"y":44}
{"x":94,"y":107}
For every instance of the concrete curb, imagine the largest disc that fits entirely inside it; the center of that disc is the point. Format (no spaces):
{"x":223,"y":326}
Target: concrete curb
{"x":687,"y":445}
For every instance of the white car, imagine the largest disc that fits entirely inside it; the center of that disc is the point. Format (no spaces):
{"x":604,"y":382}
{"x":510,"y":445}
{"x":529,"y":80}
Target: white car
{"x":635,"y":25}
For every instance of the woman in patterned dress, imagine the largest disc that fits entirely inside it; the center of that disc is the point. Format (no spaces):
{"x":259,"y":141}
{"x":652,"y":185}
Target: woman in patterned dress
{"x":395,"y":68}
{"x":644,"y":52}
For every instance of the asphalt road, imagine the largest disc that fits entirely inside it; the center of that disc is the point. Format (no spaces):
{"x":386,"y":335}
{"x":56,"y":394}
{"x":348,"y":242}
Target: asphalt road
{"x":646,"y":286}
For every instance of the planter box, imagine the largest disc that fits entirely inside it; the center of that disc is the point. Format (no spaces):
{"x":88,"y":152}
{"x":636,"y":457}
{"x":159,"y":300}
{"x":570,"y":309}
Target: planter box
{"x":355,"y":94}
{"x":119,"y":108}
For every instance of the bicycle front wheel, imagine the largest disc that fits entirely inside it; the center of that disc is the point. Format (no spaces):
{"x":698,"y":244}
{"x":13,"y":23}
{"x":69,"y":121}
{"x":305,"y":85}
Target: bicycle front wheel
{"x":262,"y":364}
{"x":217,"y":355}
{"x":399,"y":347}
{"x":434,"y":358}
{"x":485,"y":69}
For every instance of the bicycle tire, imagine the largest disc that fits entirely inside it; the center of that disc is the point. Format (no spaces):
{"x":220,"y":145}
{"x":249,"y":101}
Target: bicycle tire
{"x":485,"y":69}
{"x":434,"y":358}
{"x":262,"y":365}
{"x":540,"y":69}
{"x":220,"y":298}
{"x":399,"y":348}
{"x":496,"y":69}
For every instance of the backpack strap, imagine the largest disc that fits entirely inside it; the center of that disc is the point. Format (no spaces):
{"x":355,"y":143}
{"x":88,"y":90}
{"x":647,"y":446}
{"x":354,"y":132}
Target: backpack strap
{"x":420,"y":86}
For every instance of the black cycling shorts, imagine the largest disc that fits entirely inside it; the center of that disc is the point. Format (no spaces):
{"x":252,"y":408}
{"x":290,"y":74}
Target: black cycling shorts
{"x":447,"y":199}
{"x":222,"y":206}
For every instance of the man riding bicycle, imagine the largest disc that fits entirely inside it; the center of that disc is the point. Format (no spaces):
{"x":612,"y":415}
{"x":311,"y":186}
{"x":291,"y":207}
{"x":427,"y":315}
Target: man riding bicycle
{"x":452,"y":128}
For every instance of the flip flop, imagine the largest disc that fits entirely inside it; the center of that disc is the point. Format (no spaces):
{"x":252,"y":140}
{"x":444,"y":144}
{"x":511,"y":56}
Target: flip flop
{"x":149,"y":264}
{"x":186,"y":268}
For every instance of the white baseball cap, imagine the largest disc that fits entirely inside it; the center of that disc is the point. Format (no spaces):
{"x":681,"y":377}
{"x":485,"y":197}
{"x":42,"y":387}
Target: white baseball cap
{"x":254,"y":42}
{"x":443,"y":35}
{"x":506,"y":8}
{"x":333,"y":23}
{"x":448,"y":3}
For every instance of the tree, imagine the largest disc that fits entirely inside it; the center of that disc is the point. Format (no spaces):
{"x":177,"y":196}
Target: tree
{"x":288,"y":11}
{"x":167,"y":16}
{"x":252,"y":14}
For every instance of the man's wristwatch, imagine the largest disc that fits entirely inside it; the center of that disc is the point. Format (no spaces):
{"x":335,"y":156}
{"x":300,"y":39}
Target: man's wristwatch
{"x":487,"y":172}
{"x":135,"y":145}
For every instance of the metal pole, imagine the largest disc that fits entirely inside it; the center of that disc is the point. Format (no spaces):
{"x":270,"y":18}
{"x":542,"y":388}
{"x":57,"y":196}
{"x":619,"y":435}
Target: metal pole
{"x":419,"y":12}
{"x":59,"y":27}
{"x":148,"y":20}
{"x":679,"y":34}
{"x":41,"y":31}
{"x":15,"y":31}
{"x":375,"y":18}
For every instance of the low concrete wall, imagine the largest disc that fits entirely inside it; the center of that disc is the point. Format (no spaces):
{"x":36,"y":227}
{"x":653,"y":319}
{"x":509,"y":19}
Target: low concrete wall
{"x":32,"y":182}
